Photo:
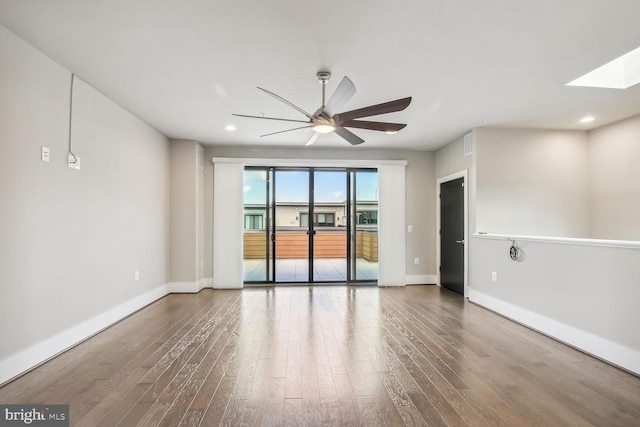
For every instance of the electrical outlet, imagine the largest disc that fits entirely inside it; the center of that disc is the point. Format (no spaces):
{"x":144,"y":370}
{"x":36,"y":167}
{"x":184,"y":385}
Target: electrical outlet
{"x":416,"y":260}
{"x":44,"y":154}
{"x":494,"y":276}
{"x":137,"y":275}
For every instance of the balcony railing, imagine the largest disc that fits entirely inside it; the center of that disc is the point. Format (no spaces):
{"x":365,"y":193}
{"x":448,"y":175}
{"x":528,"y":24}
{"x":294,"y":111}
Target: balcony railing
{"x":294,"y":244}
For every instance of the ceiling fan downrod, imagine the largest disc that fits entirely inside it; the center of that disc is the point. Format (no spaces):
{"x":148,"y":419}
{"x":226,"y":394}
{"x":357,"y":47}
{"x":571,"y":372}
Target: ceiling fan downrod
{"x":323,"y":78}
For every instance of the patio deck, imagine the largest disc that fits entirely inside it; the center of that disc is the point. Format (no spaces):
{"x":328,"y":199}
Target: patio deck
{"x":324,"y":269}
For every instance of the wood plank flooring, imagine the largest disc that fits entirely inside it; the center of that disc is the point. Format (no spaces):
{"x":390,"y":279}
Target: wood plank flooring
{"x":354,"y":356}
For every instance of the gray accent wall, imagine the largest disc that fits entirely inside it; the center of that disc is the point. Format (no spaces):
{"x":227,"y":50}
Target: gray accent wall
{"x":187,"y":214}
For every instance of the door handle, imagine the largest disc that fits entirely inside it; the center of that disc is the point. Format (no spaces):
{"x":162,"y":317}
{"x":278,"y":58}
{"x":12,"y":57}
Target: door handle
{"x":460,"y":241}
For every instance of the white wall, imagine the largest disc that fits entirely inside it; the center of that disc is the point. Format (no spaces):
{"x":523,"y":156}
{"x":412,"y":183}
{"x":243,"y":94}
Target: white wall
{"x":614,"y":167}
{"x":203,"y":280}
{"x":71,"y":240}
{"x":532,"y":182}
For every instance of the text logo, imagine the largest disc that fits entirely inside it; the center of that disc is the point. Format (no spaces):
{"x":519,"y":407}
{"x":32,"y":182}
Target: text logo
{"x":34,"y":415}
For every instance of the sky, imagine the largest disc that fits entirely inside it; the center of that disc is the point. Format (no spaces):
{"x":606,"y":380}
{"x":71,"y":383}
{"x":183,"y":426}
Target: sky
{"x":292,"y":186}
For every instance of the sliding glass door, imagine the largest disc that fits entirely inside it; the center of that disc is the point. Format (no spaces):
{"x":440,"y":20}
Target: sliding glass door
{"x":292,"y":228}
{"x":306,"y":225}
{"x":258,"y":225}
{"x":329,"y":226}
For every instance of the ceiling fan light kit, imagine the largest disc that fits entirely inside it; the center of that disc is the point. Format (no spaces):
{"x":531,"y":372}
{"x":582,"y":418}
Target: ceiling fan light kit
{"x":323,"y":127}
{"x":327,"y":120}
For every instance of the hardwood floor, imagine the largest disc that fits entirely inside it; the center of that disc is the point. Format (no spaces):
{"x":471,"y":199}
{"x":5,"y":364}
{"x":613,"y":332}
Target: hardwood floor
{"x":332,"y":356}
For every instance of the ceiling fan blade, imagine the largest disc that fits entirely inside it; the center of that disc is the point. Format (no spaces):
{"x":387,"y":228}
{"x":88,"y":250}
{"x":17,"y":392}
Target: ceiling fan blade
{"x":279,"y":98}
{"x":373,"y":110}
{"x":312,"y":139}
{"x":349,"y":136}
{"x":270,"y":118}
{"x":345,"y":90}
{"x":283,"y":131}
{"x":381,"y":126}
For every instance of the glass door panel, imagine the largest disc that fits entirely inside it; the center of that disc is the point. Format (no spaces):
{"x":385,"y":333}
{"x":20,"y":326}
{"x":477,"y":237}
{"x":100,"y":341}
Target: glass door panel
{"x":364,"y":225}
{"x":291,"y":220}
{"x":329,"y":226}
{"x":256,"y":234}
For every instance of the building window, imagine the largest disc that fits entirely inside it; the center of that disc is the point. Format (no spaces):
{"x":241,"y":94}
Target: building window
{"x":253,"y":222}
{"x":320,"y":219}
{"x":367,"y":217}
{"x":325,"y":219}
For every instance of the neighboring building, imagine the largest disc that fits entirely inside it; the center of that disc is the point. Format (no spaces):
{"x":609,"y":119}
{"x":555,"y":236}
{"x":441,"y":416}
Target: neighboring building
{"x":326,"y":214}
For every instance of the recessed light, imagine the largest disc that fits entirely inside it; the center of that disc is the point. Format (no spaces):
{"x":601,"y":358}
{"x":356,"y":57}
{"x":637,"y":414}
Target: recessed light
{"x":587,"y":119}
{"x":230,"y":128}
{"x":391,"y":132}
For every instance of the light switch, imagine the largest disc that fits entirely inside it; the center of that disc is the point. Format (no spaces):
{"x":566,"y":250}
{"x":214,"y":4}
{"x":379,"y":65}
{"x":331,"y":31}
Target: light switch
{"x":410,"y":229}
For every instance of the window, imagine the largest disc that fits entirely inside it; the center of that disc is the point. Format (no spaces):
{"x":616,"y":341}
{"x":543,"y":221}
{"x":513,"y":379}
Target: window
{"x":253,"y":222}
{"x":367,"y":217}
{"x":320,"y":219}
{"x":325,"y":219}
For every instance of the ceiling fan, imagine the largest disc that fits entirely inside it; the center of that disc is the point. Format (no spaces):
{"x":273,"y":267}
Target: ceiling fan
{"x":326,"y":119}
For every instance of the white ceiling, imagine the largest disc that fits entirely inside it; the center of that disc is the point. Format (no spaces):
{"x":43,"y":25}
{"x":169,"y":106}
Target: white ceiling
{"x":185,"y":66}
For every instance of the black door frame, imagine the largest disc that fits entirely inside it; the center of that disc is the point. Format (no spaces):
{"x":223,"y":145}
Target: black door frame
{"x":465,"y":179}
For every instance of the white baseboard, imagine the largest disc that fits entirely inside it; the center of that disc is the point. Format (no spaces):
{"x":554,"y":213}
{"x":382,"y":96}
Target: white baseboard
{"x":424,"y":279}
{"x":617,"y":354}
{"x":215,"y":285}
{"x":33,"y":356}
{"x":189,"y":287}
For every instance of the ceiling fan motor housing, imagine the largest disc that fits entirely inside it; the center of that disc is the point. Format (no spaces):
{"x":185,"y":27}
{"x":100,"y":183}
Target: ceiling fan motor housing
{"x":323,"y":76}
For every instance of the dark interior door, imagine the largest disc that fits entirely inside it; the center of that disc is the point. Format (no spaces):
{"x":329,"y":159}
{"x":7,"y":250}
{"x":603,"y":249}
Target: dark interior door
{"x":452,"y":235}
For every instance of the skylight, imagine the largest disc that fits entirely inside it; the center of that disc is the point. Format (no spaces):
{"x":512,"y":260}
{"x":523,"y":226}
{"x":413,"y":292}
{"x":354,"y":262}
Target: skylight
{"x":621,"y":73}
